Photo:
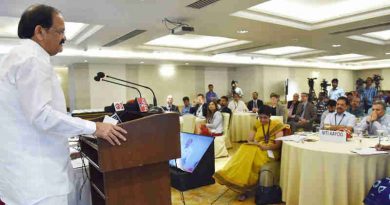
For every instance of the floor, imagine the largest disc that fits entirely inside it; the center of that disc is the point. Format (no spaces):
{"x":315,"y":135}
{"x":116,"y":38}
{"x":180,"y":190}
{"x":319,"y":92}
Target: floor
{"x":208,"y":195}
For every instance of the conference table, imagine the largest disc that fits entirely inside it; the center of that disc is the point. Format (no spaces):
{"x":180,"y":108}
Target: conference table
{"x":328,"y":173}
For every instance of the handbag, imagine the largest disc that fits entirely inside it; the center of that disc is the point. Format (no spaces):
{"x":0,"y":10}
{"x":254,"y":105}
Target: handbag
{"x":268,"y":195}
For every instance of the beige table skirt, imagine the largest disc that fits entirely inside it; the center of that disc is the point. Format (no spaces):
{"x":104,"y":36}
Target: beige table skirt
{"x":241,"y":125}
{"x":324,"y":173}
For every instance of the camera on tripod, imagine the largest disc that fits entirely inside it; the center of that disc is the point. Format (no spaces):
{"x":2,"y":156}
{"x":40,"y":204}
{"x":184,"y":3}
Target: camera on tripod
{"x":311,"y":82}
{"x":324,"y":86}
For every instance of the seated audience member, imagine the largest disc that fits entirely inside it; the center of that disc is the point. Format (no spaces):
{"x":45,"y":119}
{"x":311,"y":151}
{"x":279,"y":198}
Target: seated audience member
{"x":214,"y":121}
{"x":349,"y":96}
{"x":211,"y":95}
{"x":292,"y":106}
{"x":170,"y":106}
{"x":377,"y":120}
{"x":305,"y":115}
{"x":237,"y":105}
{"x":341,"y":119}
{"x":241,"y":172}
{"x":276,"y":108}
{"x":355,"y":108}
{"x":186,"y":106}
{"x":331,"y":107}
{"x":200,"y":107}
{"x":224,"y":106}
{"x":321,"y":105}
{"x":255,"y":104}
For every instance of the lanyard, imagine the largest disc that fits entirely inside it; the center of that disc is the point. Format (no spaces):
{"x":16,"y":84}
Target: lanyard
{"x":335,"y":122}
{"x":266,"y":136}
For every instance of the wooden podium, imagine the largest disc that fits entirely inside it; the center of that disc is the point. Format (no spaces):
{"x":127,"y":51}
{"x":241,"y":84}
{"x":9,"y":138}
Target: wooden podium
{"x":136,"y":172}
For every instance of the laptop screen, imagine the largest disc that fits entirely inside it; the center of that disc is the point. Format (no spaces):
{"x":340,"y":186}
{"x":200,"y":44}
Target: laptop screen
{"x":193,"y":147}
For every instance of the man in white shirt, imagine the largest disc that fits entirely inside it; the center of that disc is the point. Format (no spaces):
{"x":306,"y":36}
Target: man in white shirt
{"x":335,"y":92}
{"x":170,"y":107}
{"x":35,"y":164}
{"x":377,"y":120}
{"x":341,"y":119}
{"x":237,"y":105}
{"x":331,"y":107}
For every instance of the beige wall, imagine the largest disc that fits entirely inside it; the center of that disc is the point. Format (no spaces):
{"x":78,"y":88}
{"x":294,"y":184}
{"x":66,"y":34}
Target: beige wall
{"x":190,"y":80}
{"x":63,"y":77}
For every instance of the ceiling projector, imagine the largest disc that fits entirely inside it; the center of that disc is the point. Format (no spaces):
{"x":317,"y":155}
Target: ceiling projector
{"x":180,"y":30}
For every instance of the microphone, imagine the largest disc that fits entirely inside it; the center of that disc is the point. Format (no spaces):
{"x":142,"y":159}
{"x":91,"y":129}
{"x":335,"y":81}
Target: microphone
{"x":99,"y":77}
{"x":102,"y":75}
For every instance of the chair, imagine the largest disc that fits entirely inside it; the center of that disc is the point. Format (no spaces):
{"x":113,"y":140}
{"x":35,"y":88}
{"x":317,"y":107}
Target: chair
{"x":221,"y":142}
{"x":273,"y":166}
{"x":188,"y":123}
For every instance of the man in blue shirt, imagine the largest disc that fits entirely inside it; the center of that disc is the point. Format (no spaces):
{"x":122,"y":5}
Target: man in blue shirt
{"x":211,"y":95}
{"x":368,"y":95}
{"x":187,"y":106}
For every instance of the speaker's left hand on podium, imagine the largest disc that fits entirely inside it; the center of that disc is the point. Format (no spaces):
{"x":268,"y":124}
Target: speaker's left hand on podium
{"x":109,"y":132}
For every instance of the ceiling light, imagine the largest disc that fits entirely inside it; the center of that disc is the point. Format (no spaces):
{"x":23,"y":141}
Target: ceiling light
{"x":382,"y":35}
{"x":336,"y":45}
{"x":344,"y":57}
{"x":87,"y":34}
{"x":283,"y":50}
{"x":85,"y":61}
{"x":242,"y":31}
{"x":318,"y":11}
{"x":187,"y":63}
{"x":387,"y":53}
{"x":226,"y":45}
{"x":141,"y":62}
{"x":189,"y":41}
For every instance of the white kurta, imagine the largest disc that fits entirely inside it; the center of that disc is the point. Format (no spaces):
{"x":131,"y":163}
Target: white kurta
{"x":237,"y":106}
{"x":34,"y":127}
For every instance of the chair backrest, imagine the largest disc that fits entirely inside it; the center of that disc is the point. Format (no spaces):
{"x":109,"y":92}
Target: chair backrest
{"x":280,"y":118}
{"x":226,"y":118}
{"x":189,"y":123}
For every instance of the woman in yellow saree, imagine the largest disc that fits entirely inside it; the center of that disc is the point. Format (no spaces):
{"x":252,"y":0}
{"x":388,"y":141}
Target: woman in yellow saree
{"x":241,"y":172}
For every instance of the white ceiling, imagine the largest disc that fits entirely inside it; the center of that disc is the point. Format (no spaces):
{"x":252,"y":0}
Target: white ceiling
{"x":276,"y":24}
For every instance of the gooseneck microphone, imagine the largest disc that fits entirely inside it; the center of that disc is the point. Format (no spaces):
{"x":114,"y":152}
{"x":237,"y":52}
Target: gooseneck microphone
{"x":102,"y":75}
{"x":99,"y":77}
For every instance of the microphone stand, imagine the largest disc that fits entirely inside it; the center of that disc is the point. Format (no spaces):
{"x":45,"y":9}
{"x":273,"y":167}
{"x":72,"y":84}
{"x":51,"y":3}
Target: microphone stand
{"x":154,"y":95}
{"x":139,"y":92}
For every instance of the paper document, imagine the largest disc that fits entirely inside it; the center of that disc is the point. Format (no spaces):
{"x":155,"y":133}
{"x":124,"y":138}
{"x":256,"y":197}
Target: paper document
{"x":295,"y":138}
{"x":368,"y":151}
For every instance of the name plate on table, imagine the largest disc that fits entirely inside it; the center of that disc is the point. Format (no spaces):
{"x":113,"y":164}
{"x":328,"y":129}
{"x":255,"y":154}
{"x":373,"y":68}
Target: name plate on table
{"x":333,"y":136}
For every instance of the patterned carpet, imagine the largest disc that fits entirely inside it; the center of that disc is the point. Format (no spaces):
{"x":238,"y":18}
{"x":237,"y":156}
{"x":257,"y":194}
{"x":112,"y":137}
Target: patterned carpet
{"x":208,"y":195}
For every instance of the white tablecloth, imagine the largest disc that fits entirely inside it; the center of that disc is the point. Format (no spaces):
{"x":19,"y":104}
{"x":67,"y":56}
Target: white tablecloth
{"x":326,"y":173}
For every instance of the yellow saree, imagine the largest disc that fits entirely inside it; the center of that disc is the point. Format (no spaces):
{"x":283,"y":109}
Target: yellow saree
{"x":241,"y":172}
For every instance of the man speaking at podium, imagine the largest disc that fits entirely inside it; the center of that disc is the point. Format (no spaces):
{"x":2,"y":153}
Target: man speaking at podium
{"x":34,"y":162}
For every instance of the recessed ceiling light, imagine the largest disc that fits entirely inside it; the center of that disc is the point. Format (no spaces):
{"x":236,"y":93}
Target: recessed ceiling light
{"x":189,"y":41}
{"x":387,"y":53}
{"x":283,"y":50}
{"x":242,"y":31}
{"x":336,"y":45}
{"x":344,"y":57}
{"x":141,"y":62}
